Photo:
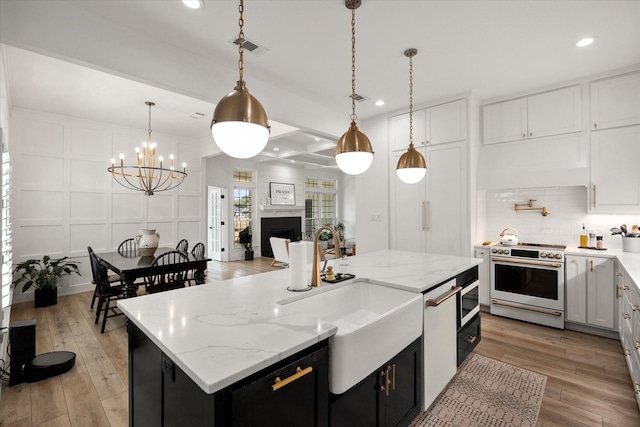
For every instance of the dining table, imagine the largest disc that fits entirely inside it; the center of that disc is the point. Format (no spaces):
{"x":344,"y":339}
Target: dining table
{"x":132,"y":267}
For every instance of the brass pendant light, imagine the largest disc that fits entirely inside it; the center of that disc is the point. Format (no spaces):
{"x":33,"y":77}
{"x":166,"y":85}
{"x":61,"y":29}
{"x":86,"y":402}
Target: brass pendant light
{"x":240,"y":126}
{"x":354,"y":154}
{"x":411,"y":165}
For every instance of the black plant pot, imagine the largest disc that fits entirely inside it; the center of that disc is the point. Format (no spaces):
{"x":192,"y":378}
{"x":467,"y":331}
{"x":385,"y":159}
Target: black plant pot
{"x":248,"y":255}
{"x":46,"y":297}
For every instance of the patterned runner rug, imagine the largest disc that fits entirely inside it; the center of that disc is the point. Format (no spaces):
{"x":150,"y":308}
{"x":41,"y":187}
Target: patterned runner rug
{"x":486,"y":392}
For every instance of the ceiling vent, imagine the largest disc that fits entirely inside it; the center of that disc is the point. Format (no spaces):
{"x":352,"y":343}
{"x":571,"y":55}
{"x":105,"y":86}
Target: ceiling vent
{"x":358,"y":97}
{"x":251,"y":46}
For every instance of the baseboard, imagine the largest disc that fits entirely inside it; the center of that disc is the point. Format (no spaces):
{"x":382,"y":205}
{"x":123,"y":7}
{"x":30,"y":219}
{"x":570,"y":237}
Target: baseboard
{"x":18,"y":296}
{"x":607,"y":333}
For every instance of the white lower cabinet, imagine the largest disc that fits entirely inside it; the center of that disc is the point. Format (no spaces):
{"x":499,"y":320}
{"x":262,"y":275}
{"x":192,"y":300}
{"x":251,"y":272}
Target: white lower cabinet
{"x":628,"y":297}
{"x":589,"y":284}
{"x":484,"y":275}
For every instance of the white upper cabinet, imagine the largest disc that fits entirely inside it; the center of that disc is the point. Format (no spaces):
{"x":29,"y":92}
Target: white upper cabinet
{"x":434,"y":125}
{"x":615,"y":102}
{"x":550,"y":113}
{"x":615,"y":174}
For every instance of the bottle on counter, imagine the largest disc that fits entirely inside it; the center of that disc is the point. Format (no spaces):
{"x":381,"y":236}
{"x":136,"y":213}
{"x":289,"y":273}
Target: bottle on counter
{"x":583,"y":238}
{"x":599,"y":242}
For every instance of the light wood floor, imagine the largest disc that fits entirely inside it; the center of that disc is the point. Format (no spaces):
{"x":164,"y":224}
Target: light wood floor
{"x":587,"y":379}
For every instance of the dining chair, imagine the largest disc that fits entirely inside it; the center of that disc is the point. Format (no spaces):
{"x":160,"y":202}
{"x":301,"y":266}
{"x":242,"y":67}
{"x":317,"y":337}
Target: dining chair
{"x":113,"y":278}
{"x":197,"y":252}
{"x":107,"y":294}
{"x":280,"y":248}
{"x":167,"y":272}
{"x":182,"y":246}
{"x":129,"y":248}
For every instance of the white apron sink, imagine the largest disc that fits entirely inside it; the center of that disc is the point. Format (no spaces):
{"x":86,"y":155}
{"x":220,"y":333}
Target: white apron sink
{"x":374,"y":324}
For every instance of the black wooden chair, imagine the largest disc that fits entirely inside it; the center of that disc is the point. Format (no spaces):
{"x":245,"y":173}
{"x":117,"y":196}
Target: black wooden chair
{"x":167,"y":272}
{"x":197,"y":252}
{"x":183,"y":246}
{"x":107,"y":295}
{"x":113,"y":278}
{"x":129,"y":248}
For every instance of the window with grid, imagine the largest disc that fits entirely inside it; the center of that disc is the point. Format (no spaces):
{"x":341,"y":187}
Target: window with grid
{"x":242,"y":203}
{"x":320,"y":203}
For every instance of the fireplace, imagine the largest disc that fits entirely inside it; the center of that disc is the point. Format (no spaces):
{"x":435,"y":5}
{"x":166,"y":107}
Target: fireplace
{"x":289,"y":227}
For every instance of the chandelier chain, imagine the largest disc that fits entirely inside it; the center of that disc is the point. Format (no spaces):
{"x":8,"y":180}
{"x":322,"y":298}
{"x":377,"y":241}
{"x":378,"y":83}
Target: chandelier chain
{"x":149,"y":130}
{"x":353,"y":65}
{"x":411,"y":100}
{"x":241,"y":42}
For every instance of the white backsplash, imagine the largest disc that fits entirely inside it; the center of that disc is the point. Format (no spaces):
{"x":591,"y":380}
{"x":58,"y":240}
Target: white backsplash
{"x":568,"y":211}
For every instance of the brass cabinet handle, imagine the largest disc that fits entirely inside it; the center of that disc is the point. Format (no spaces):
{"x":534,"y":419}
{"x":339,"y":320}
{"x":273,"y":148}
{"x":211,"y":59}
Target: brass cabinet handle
{"x":625,"y":315}
{"x":625,"y":351}
{"x":393,"y":371}
{"x":299,"y":374}
{"x":636,"y":344}
{"x":427,"y":216}
{"x":575,"y":261}
{"x":591,"y":265}
{"x":530,"y":133}
{"x":472,"y":339}
{"x":424,"y":215}
{"x":636,"y":386}
{"x":618,"y":274}
{"x":594,"y":195}
{"x":387,"y":381}
{"x":633,"y":307}
{"x":524,"y":135}
{"x":436,"y":302}
{"x":595,"y":126}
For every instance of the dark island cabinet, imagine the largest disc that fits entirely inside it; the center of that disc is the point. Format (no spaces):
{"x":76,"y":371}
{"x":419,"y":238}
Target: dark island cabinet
{"x":292,"y":392}
{"x":386,"y":398}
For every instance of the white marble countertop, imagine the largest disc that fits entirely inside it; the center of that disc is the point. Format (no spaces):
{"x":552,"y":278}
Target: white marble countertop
{"x":223,"y":331}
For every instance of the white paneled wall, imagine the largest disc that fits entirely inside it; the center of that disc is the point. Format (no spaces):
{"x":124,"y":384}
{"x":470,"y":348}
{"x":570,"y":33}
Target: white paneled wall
{"x":568,"y":207}
{"x":64,"y":200}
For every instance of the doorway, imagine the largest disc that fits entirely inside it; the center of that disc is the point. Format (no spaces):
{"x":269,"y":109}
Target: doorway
{"x":216,"y":222}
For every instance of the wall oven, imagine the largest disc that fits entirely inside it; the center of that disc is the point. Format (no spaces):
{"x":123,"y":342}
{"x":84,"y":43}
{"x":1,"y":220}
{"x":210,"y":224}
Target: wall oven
{"x":467,"y":313}
{"x":527,"y":283}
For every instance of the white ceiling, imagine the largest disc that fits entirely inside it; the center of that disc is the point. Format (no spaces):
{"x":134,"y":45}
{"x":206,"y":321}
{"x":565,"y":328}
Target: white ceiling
{"x":112,"y":55}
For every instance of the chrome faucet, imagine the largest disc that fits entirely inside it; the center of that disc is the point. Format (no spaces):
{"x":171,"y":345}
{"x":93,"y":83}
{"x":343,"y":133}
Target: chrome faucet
{"x":315,"y":272}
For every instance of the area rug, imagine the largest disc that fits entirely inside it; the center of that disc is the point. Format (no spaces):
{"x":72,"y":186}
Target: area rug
{"x":486,"y":392}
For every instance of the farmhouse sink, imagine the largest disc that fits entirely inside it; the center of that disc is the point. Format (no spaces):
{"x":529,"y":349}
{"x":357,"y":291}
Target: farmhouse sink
{"x":374,"y":324}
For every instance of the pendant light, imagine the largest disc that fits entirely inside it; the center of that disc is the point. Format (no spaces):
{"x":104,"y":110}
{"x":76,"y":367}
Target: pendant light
{"x":240,"y":126}
{"x":353,"y":152}
{"x":411,"y":166}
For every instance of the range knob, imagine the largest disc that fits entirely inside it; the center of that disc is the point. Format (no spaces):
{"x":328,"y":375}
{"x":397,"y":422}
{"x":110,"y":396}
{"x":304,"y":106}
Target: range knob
{"x":494,"y":251}
{"x":506,"y":251}
{"x":500,"y":251}
{"x":558,"y":256}
{"x":543,"y":255}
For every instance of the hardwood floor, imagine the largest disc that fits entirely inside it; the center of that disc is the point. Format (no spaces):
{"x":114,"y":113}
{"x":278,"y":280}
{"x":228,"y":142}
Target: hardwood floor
{"x":588,"y":382}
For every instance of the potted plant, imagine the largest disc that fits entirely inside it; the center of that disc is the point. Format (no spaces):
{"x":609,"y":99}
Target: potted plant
{"x":245,"y":238}
{"x":324,"y":238}
{"x":44,"y":275}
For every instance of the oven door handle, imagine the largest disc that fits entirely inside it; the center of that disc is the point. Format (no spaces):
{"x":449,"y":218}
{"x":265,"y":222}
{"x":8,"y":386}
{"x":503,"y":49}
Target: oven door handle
{"x":436,"y":302}
{"x":514,"y":261}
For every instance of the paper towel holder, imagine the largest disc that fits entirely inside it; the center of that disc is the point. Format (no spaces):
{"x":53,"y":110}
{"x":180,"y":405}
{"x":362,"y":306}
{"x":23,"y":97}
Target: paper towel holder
{"x":308,"y":288}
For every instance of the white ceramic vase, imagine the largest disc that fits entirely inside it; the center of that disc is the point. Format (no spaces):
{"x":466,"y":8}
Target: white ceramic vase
{"x":147,"y":241}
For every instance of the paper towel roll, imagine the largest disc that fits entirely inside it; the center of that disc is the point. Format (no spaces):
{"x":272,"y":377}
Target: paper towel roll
{"x":298,"y":266}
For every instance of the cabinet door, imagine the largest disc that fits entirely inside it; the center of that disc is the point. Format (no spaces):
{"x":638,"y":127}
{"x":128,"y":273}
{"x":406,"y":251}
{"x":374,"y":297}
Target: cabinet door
{"x":504,"y":121}
{"x":408,"y":211}
{"x":615,"y":174}
{"x":447,"y":122}
{"x":399,"y":130}
{"x":600,"y":293}
{"x":554,"y":113}
{"x":185,"y":403}
{"x":358,"y":406}
{"x":145,"y":380}
{"x":301,"y":399}
{"x":576,"y":288}
{"x":399,"y":396}
{"x":484,"y":275}
{"x":446,"y":206}
{"x":615,"y":102}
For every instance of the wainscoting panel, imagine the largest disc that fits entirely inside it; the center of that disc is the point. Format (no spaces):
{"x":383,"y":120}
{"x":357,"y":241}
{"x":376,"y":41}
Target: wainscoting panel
{"x":91,"y":142}
{"x":193,"y":182}
{"x":126,"y":205}
{"x":39,"y":136}
{"x":190,"y":230}
{"x":122,"y":232}
{"x":88,"y":174}
{"x":40,"y":171}
{"x":87,"y":206}
{"x":41,"y":205}
{"x":83,"y":235}
{"x":37,"y":240}
{"x":160,"y":206}
{"x":189,"y":206}
{"x":167,"y":234}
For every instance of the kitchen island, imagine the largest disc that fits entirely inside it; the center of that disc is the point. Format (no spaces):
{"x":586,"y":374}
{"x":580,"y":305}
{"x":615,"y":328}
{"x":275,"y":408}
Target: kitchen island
{"x":224,"y":332}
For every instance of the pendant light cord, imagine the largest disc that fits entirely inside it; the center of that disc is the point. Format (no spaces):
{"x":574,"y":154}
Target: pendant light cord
{"x":241,"y":43}
{"x":353,"y":65}
{"x":150,"y":104}
{"x":411,"y":100}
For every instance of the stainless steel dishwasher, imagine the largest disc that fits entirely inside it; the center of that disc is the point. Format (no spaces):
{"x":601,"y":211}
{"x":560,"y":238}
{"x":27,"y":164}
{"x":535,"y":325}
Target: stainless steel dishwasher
{"x":439,"y":349}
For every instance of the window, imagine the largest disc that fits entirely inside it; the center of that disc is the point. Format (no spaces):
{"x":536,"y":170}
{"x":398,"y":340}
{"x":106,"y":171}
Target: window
{"x":242,"y":203}
{"x":320,"y":204}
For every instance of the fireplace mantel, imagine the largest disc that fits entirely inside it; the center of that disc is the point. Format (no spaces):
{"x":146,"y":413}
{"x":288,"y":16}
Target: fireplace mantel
{"x":268,"y":208}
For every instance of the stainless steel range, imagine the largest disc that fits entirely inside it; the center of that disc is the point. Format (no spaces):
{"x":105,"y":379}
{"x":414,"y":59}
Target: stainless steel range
{"x":527,"y":283}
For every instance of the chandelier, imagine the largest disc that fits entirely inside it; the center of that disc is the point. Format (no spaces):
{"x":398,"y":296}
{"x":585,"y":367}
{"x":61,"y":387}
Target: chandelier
{"x":354,"y":154}
{"x":411,"y":165}
{"x":145,"y":175}
{"x":240,"y":126}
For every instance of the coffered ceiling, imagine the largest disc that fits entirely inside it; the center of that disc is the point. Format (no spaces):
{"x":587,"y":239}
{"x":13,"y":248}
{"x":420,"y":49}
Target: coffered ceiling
{"x":101,"y":60}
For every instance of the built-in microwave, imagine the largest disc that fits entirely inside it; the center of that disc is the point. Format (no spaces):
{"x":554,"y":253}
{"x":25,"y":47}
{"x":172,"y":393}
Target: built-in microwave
{"x":469,"y":304}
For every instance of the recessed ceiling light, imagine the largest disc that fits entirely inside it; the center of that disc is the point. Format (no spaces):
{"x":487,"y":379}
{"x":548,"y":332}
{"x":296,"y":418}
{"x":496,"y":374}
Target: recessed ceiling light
{"x":585,"y":41}
{"x":193,"y":4}
{"x":276,"y":149}
{"x":293,"y":161}
{"x":197,"y":115}
{"x":379,"y":102}
{"x":317,"y":139}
